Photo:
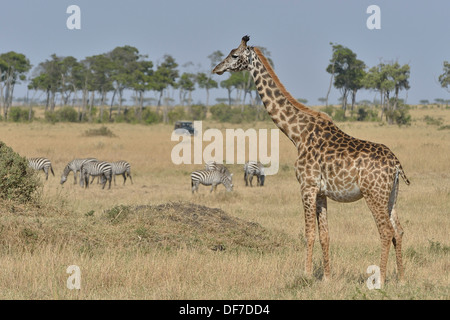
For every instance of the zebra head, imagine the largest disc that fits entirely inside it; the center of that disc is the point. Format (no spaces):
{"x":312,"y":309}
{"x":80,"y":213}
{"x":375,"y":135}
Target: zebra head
{"x":63,"y":179}
{"x":261,"y":179}
{"x":227,"y":181}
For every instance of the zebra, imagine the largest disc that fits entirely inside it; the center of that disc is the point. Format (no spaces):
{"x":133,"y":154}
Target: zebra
{"x":253,"y":168}
{"x":214,"y":166}
{"x":210,"y":178}
{"x":100,"y":169}
{"x":75,"y":166}
{"x":41,"y":164}
{"x":123,"y":168}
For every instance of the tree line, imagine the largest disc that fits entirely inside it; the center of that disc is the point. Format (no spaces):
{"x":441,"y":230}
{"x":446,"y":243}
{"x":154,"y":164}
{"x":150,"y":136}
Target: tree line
{"x":86,"y":84}
{"x":350,"y":74}
{"x":67,"y":81}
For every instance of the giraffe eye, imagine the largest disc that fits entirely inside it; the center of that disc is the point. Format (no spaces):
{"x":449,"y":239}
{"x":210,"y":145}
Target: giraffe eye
{"x":234,"y":56}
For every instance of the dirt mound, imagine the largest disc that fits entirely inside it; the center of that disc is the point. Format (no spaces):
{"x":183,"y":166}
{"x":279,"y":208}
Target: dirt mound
{"x":168,"y":226}
{"x":181,"y":224}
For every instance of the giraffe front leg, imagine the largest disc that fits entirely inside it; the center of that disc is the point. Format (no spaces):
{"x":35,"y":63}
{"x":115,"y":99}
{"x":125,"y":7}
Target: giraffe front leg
{"x":322,"y":222}
{"x":309,"y":206}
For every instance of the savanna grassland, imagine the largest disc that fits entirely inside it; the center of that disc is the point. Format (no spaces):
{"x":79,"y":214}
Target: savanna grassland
{"x":155,"y":240}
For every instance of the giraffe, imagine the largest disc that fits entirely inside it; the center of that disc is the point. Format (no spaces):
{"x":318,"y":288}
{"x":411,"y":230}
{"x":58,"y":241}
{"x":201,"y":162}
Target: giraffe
{"x":330,"y":163}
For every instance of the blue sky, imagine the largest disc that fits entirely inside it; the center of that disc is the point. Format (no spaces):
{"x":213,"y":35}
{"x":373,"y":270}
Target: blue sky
{"x":297,"y":34}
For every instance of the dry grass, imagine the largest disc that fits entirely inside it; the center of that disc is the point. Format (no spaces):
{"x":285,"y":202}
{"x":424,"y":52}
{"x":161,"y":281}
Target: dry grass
{"x":155,"y":240}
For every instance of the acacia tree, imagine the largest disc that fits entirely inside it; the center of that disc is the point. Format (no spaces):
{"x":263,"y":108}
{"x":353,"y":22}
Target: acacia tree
{"x":444,"y":79}
{"x":124,"y":63}
{"x":164,"y":77}
{"x":387,"y":78}
{"x":348,"y":72}
{"x":186,"y":84}
{"x":48,"y":77}
{"x":207,"y":83}
{"x":13,"y":67}
{"x":142,"y":80}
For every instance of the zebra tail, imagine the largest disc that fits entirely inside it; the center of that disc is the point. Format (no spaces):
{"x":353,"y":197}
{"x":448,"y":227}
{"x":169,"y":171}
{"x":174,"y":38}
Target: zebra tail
{"x":51,"y":169}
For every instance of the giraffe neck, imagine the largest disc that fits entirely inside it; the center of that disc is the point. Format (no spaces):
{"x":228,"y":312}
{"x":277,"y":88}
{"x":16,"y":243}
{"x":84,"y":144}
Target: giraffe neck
{"x":286,"y":112}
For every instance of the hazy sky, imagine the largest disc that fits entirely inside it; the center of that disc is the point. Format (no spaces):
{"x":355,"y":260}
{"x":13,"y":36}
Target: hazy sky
{"x":297,"y":34}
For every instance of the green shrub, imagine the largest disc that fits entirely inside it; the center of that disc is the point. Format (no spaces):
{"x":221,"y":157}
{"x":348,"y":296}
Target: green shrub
{"x":366,"y":114}
{"x":18,"y":114}
{"x":67,"y":113}
{"x":176,"y":114}
{"x":17,"y":181}
{"x":198,"y":112}
{"x":64,"y":114}
{"x":149,"y":116}
{"x":400,"y":116}
{"x":432,"y":121}
{"x":102,"y":131}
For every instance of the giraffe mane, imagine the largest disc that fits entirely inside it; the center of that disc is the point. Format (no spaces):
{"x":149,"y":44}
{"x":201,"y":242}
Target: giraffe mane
{"x":294,"y":102}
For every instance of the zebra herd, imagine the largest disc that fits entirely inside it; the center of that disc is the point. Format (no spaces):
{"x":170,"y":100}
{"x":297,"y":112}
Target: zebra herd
{"x":216,"y":173}
{"x":88,"y":167}
{"x":213,"y":174}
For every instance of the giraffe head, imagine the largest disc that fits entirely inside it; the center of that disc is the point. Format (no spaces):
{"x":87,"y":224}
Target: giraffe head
{"x":237,"y":60}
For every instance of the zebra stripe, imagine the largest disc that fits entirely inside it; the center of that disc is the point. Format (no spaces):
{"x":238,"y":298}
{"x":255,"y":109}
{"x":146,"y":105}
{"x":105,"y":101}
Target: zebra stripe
{"x":41,"y":164}
{"x":123,"y":168}
{"x":214,"y":166}
{"x":254,"y":168}
{"x":210,"y":178}
{"x":100,"y":169}
{"x":74,"y":166}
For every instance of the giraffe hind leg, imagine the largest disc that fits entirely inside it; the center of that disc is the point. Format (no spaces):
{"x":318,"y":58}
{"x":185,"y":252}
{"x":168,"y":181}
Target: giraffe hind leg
{"x":398,"y":230}
{"x":385,"y":229}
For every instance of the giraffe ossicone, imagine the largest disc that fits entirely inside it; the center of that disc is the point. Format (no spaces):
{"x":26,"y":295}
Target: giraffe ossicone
{"x":330,"y":163}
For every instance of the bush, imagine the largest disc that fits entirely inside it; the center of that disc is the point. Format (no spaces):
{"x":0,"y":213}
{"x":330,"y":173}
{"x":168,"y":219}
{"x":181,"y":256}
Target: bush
{"x":225,"y":113}
{"x":64,"y":114}
{"x":366,"y":114}
{"x":198,"y":112}
{"x":176,"y":114}
{"x":102,"y":131}
{"x":17,"y":181}
{"x":68,"y":114}
{"x":128,"y":115}
{"x":149,"y":116}
{"x":18,"y":114}
{"x":400,"y":116}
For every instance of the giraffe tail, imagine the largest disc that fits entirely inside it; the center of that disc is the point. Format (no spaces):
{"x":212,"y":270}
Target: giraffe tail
{"x":402,"y":174}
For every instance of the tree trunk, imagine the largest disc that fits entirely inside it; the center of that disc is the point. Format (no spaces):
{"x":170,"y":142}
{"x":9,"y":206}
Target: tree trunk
{"x":353,"y":100}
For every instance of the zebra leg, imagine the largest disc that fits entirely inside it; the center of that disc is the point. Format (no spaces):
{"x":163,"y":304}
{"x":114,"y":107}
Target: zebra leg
{"x":251,"y":179}
{"x":75,"y":177}
{"x":124,"y":177}
{"x":129,"y":175}
{"x":194,"y":186}
{"x":245,"y":178}
{"x":46,"y":172}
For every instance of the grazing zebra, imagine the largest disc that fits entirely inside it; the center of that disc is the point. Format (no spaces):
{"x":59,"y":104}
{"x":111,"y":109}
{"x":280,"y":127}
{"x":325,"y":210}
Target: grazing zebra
{"x":100,"y":169}
{"x":75,"y":166}
{"x":210,"y":178}
{"x":253,"y":168}
{"x":41,"y":164}
{"x":123,"y":168}
{"x":214,"y":166}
